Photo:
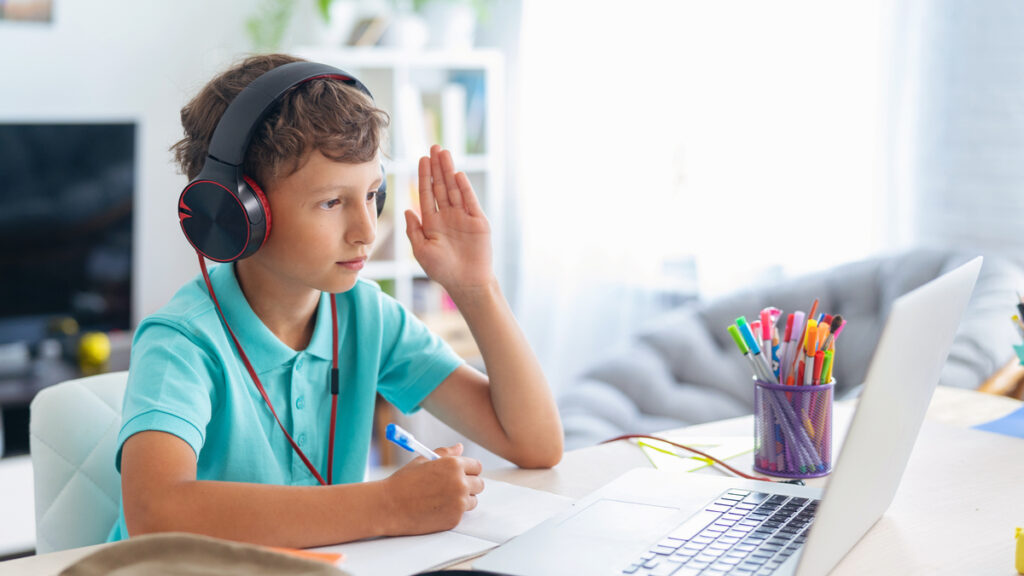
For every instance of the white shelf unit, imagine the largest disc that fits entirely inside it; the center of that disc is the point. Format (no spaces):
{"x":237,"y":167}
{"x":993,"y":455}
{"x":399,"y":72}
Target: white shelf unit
{"x":398,"y":80}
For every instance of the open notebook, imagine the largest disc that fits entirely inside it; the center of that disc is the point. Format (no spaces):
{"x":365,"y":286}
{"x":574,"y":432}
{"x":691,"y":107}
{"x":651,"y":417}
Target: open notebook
{"x":503,"y":512}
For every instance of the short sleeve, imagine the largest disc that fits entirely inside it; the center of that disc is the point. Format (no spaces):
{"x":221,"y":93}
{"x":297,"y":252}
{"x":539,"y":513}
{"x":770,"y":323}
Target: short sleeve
{"x":414,"y":361}
{"x":170,"y":386}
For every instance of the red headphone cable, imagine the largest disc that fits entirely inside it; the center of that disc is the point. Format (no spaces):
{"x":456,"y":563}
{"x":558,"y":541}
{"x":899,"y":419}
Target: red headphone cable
{"x":689,"y":449}
{"x":334,"y":387}
{"x":259,"y":386}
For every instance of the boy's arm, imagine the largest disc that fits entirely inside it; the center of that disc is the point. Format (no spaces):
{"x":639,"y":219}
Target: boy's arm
{"x":511,"y":412}
{"x":161,"y":494}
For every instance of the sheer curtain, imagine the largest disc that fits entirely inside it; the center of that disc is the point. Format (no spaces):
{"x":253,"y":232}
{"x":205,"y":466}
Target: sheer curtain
{"x":739,"y":136}
{"x":957,"y":131}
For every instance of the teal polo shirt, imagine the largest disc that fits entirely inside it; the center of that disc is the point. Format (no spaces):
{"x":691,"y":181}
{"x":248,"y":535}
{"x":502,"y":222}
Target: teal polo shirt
{"x":187,"y":379}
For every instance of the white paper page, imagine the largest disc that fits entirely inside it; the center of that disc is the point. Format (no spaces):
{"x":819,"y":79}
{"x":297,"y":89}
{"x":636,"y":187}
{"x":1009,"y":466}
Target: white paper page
{"x":503,"y":511}
{"x":405,"y":555}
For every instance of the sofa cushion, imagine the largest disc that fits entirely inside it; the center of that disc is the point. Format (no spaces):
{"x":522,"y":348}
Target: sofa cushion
{"x":685,"y":368}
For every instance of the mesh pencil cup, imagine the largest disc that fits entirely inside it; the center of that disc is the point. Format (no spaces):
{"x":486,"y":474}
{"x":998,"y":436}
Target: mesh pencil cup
{"x":793,"y":429}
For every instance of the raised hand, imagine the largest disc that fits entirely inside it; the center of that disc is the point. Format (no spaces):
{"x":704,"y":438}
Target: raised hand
{"x":452,"y":242}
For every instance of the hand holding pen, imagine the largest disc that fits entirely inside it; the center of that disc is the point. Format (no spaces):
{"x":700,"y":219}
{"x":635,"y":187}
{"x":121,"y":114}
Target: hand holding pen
{"x":431,"y":494}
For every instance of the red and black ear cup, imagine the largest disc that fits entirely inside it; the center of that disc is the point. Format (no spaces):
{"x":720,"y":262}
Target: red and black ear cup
{"x":264,"y":202}
{"x":382,"y":192}
{"x":221,"y":224}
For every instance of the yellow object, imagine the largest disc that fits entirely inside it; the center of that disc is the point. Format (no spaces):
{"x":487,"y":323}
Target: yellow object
{"x":1019,"y":564}
{"x":65,"y":325}
{"x":93,"y":351}
{"x":808,"y":426}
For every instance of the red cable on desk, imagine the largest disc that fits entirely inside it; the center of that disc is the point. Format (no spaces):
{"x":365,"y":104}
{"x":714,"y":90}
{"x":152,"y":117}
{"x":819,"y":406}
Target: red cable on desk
{"x":694,"y":450}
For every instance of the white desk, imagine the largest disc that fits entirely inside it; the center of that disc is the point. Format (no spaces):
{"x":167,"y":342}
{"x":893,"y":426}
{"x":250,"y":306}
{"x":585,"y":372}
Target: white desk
{"x":954,"y":513}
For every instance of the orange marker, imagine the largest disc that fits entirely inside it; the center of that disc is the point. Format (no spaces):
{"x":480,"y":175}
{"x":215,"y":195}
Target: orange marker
{"x":819,"y":358}
{"x":822,"y":336}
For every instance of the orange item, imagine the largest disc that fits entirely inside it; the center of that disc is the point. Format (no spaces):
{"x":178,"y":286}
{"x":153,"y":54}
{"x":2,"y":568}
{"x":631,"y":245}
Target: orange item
{"x":811,"y":339}
{"x":823,"y":330}
{"x":329,"y":558}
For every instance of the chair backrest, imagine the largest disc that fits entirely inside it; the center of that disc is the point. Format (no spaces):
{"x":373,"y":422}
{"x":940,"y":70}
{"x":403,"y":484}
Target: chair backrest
{"x":73,"y":437}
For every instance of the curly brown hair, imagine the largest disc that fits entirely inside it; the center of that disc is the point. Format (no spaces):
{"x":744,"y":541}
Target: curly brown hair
{"x":322,"y":114}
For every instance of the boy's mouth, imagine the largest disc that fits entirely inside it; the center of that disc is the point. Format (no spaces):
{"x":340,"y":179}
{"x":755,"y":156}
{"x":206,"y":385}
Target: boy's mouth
{"x":354,"y":264}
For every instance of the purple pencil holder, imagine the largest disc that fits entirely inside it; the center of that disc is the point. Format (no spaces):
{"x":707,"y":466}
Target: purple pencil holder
{"x":793,"y":429}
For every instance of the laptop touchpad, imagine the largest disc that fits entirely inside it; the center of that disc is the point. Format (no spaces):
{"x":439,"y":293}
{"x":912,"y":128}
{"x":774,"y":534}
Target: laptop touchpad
{"x":616,"y":519}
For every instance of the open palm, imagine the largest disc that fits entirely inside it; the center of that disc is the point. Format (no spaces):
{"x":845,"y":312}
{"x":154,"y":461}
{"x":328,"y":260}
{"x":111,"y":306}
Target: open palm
{"x":453,"y":241}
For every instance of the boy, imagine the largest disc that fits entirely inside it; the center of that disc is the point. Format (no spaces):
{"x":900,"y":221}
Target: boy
{"x":199,"y":450}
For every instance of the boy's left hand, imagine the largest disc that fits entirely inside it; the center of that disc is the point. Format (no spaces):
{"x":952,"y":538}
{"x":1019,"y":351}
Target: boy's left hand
{"x":453,"y":241}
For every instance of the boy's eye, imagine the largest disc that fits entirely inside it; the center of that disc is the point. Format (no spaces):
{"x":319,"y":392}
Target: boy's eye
{"x":371,"y":195}
{"x":328,"y":204}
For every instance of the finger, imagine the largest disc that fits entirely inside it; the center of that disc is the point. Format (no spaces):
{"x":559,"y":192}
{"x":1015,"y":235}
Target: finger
{"x":413,"y":229}
{"x":475,"y":484}
{"x":440,"y":190}
{"x":469,"y":199}
{"x":471,"y":502}
{"x":428,"y":206}
{"x":471,"y":466}
{"x":455,"y":450}
{"x":448,"y":172}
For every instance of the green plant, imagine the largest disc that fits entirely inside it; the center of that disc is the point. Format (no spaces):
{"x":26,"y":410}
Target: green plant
{"x":324,"y":8}
{"x":267,"y":26}
{"x":480,"y":7}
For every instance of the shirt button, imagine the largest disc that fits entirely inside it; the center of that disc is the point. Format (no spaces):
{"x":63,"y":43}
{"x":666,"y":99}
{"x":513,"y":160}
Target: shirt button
{"x":301,"y":439}
{"x":300,"y":403}
{"x":298,"y":363}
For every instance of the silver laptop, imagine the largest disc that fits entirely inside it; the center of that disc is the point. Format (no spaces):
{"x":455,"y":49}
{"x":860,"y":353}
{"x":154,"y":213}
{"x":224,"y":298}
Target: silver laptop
{"x":655,"y":522}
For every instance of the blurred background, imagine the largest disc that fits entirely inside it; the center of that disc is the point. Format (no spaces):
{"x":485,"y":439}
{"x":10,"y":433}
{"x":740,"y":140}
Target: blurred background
{"x":632,"y":156}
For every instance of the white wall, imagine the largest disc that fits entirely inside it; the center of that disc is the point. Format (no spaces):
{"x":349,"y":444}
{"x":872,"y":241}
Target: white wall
{"x":126,"y":60}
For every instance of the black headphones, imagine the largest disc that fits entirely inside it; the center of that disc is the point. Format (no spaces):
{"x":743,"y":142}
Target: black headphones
{"x":223,"y":212}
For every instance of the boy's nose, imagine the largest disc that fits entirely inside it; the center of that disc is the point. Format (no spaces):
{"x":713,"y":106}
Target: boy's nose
{"x":362,"y":228}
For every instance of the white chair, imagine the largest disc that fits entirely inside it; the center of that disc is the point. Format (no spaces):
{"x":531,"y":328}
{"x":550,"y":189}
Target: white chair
{"x":72,"y":436}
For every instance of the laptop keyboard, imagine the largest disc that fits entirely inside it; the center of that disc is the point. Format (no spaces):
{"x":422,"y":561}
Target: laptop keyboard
{"x":740,"y":532}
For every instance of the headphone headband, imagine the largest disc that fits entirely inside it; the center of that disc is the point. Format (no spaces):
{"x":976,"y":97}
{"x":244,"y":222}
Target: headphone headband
{"x":238,"y":123}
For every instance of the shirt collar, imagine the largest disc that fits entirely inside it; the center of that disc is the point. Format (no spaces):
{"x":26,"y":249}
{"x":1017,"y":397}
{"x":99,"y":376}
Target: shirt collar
{"x":264,"y":349}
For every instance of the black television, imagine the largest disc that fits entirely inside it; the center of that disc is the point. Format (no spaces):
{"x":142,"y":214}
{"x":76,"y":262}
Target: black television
{"x":66,"y":198}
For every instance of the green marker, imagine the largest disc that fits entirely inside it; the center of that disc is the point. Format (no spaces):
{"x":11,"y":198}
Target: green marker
{"x":735,"y":333}
{"x":754,"y":364}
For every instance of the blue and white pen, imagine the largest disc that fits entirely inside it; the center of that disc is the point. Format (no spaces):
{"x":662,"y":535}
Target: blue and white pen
{"x":396,"y":434}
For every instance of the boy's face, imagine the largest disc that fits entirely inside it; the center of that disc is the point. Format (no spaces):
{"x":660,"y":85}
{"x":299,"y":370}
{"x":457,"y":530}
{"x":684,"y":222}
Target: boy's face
{"x":323,"y":223}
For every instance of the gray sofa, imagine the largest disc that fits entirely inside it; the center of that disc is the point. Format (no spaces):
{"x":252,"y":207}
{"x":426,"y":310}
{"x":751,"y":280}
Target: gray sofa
{"x":684,"y":369}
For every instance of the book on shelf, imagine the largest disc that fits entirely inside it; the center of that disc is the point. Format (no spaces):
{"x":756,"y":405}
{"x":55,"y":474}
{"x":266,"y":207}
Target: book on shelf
{"x":384,"y":243}
{"x":453,"y":118}
{"x":427,"y":296}
{"x":432,"y":304}
{"x":438,"y":116}
{"x":475,"y":110}
{"x":368,"y":31}
{"x":412,"y":135}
